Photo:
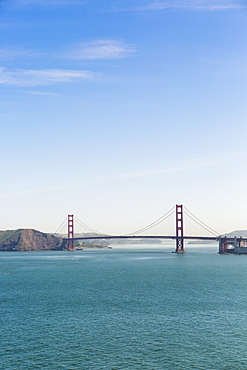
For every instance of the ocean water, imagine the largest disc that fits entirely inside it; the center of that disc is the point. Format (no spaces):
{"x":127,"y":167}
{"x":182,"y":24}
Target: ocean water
{"x":124,"y":308}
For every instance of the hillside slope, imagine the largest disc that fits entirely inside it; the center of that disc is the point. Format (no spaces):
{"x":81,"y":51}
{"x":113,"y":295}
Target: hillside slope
{"x":29,"y":240}
{"x":237,"y":233}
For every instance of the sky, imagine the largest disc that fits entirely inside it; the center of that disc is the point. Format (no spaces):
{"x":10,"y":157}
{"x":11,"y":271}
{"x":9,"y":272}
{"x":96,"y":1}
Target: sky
{"x":115,"y":111}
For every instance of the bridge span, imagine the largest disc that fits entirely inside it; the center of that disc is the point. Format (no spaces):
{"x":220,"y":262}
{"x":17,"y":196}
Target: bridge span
{"x":226,"y":244}
{"x":142,"y":237}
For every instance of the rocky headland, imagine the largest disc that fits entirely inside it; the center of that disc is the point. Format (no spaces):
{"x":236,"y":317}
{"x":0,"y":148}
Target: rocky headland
{"x":29,"y":240}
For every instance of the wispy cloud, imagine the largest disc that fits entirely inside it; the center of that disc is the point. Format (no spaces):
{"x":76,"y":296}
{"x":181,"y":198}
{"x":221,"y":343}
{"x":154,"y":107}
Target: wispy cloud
{"x":45,"y":93}
{"x":32,"y":77}
{"x":214,"y":160}
{"x":100,"y":49}
{"x":144,"y":4}
{"x":219,"y":159}
{"x":8,"y":54}
{"x":47,"y":2}
{"x":192,"y":4}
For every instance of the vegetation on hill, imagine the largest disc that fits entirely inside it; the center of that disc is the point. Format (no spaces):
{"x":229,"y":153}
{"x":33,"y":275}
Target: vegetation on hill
{"x":81,"y":246}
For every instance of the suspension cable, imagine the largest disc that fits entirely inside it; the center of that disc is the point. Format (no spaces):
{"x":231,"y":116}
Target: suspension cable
{"x":89,"y":228}
{"x":155,"y":223}
{"x":61,"y":226}
{"x":200,"y":223}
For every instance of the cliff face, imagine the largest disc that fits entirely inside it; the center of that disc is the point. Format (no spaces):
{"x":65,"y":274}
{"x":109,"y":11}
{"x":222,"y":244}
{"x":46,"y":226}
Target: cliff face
{"x":29,"y":240}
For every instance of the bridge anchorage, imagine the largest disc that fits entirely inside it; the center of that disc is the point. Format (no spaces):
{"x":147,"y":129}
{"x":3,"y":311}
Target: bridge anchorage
{"x":232,"y":245}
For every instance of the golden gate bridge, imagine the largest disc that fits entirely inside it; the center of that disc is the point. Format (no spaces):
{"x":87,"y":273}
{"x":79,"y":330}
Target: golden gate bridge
{"x":187,"y":227}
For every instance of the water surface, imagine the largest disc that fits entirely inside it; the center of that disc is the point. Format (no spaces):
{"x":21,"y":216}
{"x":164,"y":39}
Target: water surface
{"x":123,"y":308}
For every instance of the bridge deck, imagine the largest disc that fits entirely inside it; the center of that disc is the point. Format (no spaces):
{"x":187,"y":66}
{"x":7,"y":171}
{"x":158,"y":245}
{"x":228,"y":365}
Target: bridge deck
{"x":209,"y":238}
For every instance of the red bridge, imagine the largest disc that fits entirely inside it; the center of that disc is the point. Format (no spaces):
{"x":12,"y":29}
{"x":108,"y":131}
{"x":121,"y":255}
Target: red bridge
{"x":179,"y":236}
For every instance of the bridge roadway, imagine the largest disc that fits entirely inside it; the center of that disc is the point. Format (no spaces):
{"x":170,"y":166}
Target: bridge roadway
{"x":173,"y":237}
{"x":210,"y":238}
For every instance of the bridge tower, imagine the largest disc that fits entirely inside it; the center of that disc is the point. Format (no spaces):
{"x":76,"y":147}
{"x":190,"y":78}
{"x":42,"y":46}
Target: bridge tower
{"x":70,"y":232}
{"x":179,"y":229}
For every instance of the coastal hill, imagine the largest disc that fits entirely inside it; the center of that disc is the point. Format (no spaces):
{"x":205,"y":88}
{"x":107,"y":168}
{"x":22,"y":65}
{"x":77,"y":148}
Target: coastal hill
{"x":29,"y":240}
{"x":232,"y":234}
{"x":237,"y":233}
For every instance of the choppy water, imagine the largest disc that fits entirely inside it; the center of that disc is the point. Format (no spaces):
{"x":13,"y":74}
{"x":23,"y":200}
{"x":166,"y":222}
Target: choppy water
{"x":143,"y":308}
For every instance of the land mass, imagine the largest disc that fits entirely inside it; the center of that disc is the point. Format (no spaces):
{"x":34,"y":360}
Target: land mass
{"x":33,"y":240}
{"x":232,"y":234}
{"x":237,"y":233}
{"x":29,"y":240}
{"x":81,"y":246}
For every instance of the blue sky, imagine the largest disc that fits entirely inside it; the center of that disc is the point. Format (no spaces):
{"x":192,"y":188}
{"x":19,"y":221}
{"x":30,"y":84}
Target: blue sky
{"x":117,"y":110}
